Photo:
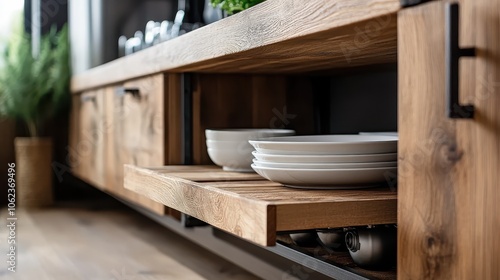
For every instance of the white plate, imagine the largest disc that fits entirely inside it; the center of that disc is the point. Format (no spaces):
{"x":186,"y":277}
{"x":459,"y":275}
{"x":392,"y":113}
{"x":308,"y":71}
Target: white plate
{"x":324,"y":165}
{"x":353,"y":144}
{"x":328,"y":178}
{"x":325,"y":158}
{"x":389,"y":133}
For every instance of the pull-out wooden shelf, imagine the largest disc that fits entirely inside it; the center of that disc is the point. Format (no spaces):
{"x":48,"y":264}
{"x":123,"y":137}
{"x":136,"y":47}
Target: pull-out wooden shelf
{"x":254,"y":208}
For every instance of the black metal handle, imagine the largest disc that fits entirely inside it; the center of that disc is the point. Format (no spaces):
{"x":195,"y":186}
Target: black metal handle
{"x":189,"y":221}
{"x":135,"y":92}
{"x":86,"y":98}
{"x":453,"y":53}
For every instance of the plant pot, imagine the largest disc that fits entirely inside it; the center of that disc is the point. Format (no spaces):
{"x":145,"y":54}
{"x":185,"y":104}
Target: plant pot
{"x":33,"y":171}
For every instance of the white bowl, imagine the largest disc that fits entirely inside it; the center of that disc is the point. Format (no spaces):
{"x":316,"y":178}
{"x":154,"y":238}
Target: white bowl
{"x":325,"y":158}
{"x":231,"y":160}
{"x":327,"y":178}
{"x":324,"y":165}
{"x":236,"y":146}
{"x":354,"y":144}
{"x":230,"y":149}
{"x":245,"y":134}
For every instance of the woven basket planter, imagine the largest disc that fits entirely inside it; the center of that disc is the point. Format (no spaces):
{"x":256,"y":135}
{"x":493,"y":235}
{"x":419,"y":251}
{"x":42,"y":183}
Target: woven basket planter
{"x":33,"y":171}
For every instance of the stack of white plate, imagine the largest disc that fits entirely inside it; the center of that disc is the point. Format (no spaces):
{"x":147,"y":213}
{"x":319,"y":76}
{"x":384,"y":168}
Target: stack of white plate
{"x":327,"y":161}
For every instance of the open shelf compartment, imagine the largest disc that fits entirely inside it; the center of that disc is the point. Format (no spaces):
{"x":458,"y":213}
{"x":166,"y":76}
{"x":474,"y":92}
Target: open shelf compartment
{"x":255,"y":209}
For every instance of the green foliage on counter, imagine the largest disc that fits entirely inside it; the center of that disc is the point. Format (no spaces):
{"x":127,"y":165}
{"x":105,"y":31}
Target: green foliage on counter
{"x":234,"y":6}
{"x":34,"y":90}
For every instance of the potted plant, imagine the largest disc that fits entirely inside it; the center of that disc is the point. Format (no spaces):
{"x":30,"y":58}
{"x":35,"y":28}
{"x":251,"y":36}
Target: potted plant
{"x":234,"y":6}
{"x":32,"y":91}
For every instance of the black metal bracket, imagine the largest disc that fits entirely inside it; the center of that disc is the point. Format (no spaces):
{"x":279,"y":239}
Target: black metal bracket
{"x":187,"y":141}
{"x":190,"y":221}
{"x":453,"y":53}
{"x":409,"y":3}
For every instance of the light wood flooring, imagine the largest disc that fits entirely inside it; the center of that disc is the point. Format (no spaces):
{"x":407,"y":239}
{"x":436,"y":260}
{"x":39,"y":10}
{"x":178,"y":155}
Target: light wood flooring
{"x":105,"y":241}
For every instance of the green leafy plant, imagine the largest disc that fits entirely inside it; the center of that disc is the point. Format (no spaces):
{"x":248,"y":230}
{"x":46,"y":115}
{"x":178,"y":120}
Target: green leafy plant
{"x":34,"y":90}
{"x":234,"y":6}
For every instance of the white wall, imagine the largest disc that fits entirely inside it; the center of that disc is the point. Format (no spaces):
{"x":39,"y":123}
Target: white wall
{"x":82,"y":46}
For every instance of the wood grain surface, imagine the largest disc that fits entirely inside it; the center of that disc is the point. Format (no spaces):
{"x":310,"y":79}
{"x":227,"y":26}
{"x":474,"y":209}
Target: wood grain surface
{"x":478,"y":176}
{"x":73,"y":137}
{"x":448,"y":169}
{"x":108,"y":130}
{"x":275,"y":36}
{"x":257,"y":209}
{"x":235,"y":101}
{"x":89,"y":149}
{"x":173,"y":114}
{"x":135,"y":133}
{"x":101,"y":239}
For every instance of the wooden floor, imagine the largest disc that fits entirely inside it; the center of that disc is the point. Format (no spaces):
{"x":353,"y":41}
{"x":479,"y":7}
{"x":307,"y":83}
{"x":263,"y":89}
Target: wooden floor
{"x":105,"y":241}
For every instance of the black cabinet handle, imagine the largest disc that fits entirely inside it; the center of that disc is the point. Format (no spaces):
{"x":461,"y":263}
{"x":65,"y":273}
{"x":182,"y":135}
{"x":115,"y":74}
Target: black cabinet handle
{"x":135,"y":92}
{"x":87,"y":98}
{"x":453,"y":53}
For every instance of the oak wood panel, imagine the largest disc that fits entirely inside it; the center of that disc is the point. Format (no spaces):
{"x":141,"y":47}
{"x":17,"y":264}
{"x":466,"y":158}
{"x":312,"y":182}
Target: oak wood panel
{"x":89,"y":148}
{"x":235,"y":101}
{"x":74,"y":136}
{"x":173,"y":126}
{"x":448,"y":169}
{"x":249,"y":219}
{"x":224,"y":199}
{"x":137,"y":133}
{"x":342,"y":212}
{"x":275,"y":36}
{"x":73,"y":133}
{"x":478,"y":176}
{"x":173,"y":119}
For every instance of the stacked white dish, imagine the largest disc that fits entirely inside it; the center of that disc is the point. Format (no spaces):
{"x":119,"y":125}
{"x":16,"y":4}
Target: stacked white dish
{"x":327,"y":161}
{"x":230,"y":149}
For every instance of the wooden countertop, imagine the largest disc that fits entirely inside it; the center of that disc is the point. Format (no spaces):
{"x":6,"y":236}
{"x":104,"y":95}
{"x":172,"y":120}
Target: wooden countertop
{"x":276,"y":36}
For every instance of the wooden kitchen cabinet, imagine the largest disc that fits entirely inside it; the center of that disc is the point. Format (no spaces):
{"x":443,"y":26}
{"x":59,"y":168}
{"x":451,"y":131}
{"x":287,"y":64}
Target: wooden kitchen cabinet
{"x":87,"y":137}
{"x":449,"y":179}
{"x":133,"y":122}
{"x":136,"y":122}
{"x":448,"y":174}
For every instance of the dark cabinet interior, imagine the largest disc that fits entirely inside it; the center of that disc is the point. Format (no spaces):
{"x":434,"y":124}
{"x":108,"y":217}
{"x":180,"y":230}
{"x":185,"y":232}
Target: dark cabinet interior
{"x":339,"y":102}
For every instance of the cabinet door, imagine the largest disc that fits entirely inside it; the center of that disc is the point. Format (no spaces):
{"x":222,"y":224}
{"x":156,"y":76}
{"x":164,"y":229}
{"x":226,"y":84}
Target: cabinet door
{"x":87,"y":137}
{"x":74,"y":131}
{"x":449,"y":169}
{"x":137,"y":137}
